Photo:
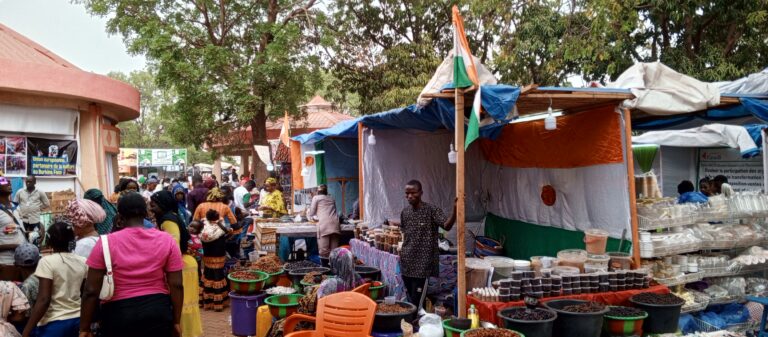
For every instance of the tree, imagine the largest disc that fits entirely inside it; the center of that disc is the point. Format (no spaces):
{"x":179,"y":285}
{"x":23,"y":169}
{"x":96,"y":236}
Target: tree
{"x":232,"y":64}
{"x":147,"y":131}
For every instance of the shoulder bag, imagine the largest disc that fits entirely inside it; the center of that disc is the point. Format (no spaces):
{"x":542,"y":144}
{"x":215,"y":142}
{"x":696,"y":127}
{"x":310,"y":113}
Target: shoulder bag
{"x":108,"y":285}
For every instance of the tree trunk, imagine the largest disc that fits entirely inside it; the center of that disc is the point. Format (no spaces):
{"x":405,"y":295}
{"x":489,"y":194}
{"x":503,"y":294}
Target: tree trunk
{"x":259,"y":135}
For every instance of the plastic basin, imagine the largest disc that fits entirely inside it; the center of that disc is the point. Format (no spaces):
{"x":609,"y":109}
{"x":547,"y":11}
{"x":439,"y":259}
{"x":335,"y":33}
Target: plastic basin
{"x":662,"y":318}
{"x":575,"y":324}
{"x":377,"y":290}
{"x":247,"y":287}
{"x":541,"y":328}
{"x":273,"y":278}
{"x":368,"y":273}
{"x":623,"y":326}
{"x":451,"y":331}
{"x":391,"y":322}
{"x":468,"y":333}
{"x":298,"y":274}
{"x":282,"y":306}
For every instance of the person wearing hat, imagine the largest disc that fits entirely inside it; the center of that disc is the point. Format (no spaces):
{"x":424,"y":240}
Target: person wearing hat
{"x":151,"y":187}
{"x":84,"y":214}
{"x":26,"y":257}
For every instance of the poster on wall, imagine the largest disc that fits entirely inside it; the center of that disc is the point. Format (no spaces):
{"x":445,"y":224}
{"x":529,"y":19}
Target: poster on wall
{"x":126,"y":159}
{"x":13,"y":156}
{"x":743,"y":174}
{"x":51,"y":157}
{"x":179,"y":157}
{"x":162,"y":157}
{"x":145,"y":157}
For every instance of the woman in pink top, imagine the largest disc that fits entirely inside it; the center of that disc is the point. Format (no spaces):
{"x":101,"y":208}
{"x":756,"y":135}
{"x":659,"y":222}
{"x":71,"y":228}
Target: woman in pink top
{"x":142,"y":261}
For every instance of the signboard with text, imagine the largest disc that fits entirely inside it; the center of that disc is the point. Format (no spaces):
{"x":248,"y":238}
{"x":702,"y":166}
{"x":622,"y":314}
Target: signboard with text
{"x":744,"y":174}
{"x":161,"y":157}
{"x":51,"y":157}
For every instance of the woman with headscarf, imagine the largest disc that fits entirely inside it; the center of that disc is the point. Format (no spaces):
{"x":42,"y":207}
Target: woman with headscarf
{"x":214,"y":237}
{"x":343,"y":266}
{"x":104,"y":227}
{"x":164,"y":205}
{"x":214,"y":201}
{"x":180,"y":194}
{"x":84,"y":214}
{"x":273,"y":204}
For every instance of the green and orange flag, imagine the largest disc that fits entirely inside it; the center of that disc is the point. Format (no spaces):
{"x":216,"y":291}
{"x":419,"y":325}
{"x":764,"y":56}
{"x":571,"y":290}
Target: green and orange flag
{"x":465,"y":74}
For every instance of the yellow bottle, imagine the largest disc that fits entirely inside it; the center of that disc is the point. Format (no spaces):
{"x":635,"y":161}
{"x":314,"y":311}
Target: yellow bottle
{"x":474,"y":316}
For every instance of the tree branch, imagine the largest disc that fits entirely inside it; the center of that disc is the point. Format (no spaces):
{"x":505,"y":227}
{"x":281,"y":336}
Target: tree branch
{"x":301,"y":10}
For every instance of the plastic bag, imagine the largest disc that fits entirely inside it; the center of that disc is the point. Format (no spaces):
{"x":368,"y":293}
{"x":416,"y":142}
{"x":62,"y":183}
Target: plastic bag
{"x":687,"y":324}
{"x":734,"y":313}
{"x":430,"y":325}
{"x":713,"y":319}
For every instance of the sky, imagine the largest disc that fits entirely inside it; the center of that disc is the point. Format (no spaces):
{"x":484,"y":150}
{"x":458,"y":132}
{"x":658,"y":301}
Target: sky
{"x":70,"y":32}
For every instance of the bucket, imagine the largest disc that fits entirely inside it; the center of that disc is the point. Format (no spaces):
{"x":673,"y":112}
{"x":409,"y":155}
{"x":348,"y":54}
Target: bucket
{"x":572,"y":258}
{"x":243,"y":313}
{"x":478,"y":272}
{"x":662,"y":318}
{"x":623,"y":326}
{"x":575,"y":324}
{"x":542,"y":328}
{"x":368,"y":273}
{"x":376,"y":290}
{"x":595,"y":240}
{"x":451,"y":331}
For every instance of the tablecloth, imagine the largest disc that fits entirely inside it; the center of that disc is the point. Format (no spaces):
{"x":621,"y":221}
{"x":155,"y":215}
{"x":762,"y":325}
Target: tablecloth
{"x":388,"y":263}
{"x":489,"y":310}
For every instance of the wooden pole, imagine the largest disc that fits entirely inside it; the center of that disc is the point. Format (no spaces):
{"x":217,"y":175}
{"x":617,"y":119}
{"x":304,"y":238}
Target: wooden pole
{"x":360,"y":167}
{"x":460,"y":225}
{"x":632,"y":188}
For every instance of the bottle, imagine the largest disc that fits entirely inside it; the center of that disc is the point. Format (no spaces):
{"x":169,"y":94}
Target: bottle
{"x":474,"y":316}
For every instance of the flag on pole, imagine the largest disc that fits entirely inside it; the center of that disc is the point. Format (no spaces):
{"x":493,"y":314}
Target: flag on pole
{"x":285,"y":131}
{"x":464,"y":71}
{"x":465,"y":74}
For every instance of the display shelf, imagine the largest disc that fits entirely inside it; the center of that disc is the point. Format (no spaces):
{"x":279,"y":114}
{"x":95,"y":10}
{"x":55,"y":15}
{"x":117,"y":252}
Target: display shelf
{"x":725,"y":300}
{"x":696,"y":307}
{"x":681,"y":279}
{"x":649,"y":224}
{"x":673,"y":250}
{"x":702,"y":326}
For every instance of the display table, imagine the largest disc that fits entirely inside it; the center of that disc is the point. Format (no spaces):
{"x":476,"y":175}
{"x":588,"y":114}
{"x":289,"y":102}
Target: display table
{"x":269,"y":233}
{"x":489,"y":310}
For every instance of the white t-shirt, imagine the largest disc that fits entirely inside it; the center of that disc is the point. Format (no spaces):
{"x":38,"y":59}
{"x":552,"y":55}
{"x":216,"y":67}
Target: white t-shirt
{"x":84,"y":246}
{"x":239,"y":194}
{"x":68,"y":272}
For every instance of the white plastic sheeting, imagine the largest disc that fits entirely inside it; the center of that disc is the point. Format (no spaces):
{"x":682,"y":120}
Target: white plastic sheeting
{"x":754,"y":84}
{"x":660,"y":90}
{"x":42,"y":121}
{"x":711,"y":135}
{"x":444,"y":76}
{"x":402,"y":155}
{"x":587,"y":197}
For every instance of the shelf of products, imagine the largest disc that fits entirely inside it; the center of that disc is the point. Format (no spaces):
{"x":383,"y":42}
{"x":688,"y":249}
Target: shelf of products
{"x":654,"y":214}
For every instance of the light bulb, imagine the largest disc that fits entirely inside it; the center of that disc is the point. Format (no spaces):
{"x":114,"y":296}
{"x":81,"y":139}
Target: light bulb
{"x":305,"y":172}
{"x":371,"y":139}
{"x":550,"y":122}
{"x":452,"y":155}
{"x":270,"y":167}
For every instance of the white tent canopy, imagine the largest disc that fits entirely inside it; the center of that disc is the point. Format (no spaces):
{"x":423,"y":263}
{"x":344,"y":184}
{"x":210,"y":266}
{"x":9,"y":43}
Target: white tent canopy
{"x":712,"y":135}
{"x":754,"y":84}
{"x":660,"y":90}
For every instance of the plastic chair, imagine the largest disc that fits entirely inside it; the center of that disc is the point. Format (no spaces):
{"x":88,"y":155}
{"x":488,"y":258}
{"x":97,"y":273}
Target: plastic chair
{"x":363,"y":289}
{"x":764,"y":302}
{"x":345,"y":314}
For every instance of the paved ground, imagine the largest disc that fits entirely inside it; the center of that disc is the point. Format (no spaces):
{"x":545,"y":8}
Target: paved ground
{"x":216,"y":324}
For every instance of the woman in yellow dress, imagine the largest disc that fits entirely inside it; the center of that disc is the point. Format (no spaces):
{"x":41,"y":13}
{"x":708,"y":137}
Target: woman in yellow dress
{"x":273,"y":204}
{"x":164,"y":206}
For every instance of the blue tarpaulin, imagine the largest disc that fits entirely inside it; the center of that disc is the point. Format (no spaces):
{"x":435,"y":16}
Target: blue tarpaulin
{"x":497,"y":100}
{"x":749,"y":107}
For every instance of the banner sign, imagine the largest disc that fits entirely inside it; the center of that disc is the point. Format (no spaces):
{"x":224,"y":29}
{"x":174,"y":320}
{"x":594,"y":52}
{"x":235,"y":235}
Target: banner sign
{"x":51,"y":157}
{"x":13,"y":156}
{"x":743,"y":174}
{"x":162,"y":157}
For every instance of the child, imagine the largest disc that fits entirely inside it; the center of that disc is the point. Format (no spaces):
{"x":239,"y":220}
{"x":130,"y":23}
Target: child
{"x":214,"y":238}
{"x":195,"y":246}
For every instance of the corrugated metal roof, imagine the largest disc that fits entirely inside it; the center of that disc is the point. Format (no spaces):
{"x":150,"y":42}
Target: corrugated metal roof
{"x":17,"y":47}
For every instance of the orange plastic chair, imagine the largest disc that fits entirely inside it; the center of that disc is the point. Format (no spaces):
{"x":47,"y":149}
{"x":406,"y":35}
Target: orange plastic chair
{"x":345,"y":314}
{"x":363,"y":289}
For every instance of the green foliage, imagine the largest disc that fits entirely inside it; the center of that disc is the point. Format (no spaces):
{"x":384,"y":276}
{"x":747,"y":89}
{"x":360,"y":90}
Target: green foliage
{"x":230,"y":64}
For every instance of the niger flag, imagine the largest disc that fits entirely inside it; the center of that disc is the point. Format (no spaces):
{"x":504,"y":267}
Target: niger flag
{"x":465,"y":74}
{"x":285,"y":131}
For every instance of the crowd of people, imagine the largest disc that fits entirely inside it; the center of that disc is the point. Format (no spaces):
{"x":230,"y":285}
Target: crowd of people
{"x":142,"y":261}
{"x":708,"y":187}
